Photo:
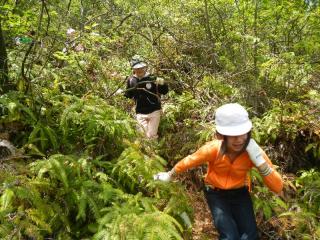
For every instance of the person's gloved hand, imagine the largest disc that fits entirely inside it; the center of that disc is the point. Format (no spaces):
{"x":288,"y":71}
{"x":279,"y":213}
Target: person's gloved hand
{"x":133,"y":82}
{"x":164,"y":176}
{"x":255,"y":153}
{"x":119,"y":91}
{"x":160,"y":81}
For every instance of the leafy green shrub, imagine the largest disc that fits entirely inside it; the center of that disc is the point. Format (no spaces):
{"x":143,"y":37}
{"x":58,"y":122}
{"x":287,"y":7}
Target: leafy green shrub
{"x":288,"y":125}
{"x":284,"y":120}
{"x":265,"y":202}
{"x":173,"y":200}
{"x":78,"y":188}
{"x":134,"y":170}
{"x":299,"y":223}
{"x":137,"y":218}
{"x":23,"y":205}
{"x":180,"y":109}
{"x":72,"y":197}
{"x":183,"y":127}
{"x":297,"y":218}
{"x":309,"y":190}
{"x":61,"y":198}
{"x":285,"y":76}
{"x":102,"y":128}
{"x":16,"y":107}
{"x":216,"y":90}
{"x":35,"y":130}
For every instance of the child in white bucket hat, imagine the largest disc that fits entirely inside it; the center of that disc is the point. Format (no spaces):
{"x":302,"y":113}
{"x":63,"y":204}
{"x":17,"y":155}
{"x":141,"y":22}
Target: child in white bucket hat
{"x":230,"y":158}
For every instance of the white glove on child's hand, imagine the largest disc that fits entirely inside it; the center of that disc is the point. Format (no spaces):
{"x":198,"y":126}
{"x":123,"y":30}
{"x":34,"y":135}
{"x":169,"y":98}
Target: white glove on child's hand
{"x":255,"y":153}
{"x":119,"y":91}
{"x":160,"y":81}
{"x":163,"y":176}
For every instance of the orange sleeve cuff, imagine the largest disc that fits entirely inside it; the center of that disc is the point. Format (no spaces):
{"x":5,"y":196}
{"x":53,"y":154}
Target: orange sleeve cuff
{"x":274,"y":181}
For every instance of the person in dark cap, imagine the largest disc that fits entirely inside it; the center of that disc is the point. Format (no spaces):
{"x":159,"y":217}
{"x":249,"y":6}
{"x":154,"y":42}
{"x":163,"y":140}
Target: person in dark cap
{"x":146,"y":90}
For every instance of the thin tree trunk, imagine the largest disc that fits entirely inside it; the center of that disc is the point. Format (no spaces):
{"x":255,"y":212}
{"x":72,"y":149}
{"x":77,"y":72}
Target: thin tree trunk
{"x":4,"y":78}
{"x":207,"y":24}
{"x":211,"y":40}
{"x":255,"y":53}
{"x":255,"y":45}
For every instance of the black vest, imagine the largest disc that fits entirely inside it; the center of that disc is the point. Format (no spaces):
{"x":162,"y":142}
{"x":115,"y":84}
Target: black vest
{"x":146,"y":93}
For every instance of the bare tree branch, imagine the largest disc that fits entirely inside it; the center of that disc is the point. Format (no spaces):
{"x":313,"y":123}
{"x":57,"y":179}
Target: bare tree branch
{"x":69,"y":5}
{"x":122,"y":21}
{"x":49,"y":19}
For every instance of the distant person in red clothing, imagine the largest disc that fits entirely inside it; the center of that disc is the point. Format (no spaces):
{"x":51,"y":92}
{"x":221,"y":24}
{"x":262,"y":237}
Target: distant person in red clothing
{"x":229,"y":160}
{"x":146,"y":90}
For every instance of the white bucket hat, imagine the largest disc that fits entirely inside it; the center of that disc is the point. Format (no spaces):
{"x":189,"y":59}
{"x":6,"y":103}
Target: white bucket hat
{"x":137,"y":62}
{"x":139,"y":65}
{"x":232,"y":120}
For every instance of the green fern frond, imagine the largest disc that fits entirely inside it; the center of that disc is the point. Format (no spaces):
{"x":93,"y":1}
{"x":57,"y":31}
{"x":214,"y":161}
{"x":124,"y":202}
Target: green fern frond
{"x":27,"y":228}
{"x":43,"y":185}
{"x":16,"y":111}
{"x":94,"y":207}
{"x":303,"y":223}
{"x":160,"y":225}
{"x":310,"y":192}
{"x":94,"y":123}
{"x":39,"y":219}
{"x":6,"y":199}
{"x":137,"y":219}
{"x":5,"y":230}
{"x":109,"y":194}
{"x":82,"y":204}
{"x":52,"y":136}
{"x":44,"y":136}
{"x":86,"y":199}
{"x":54,"y":166}
{"x":134,"y":169}
{"x":59,"y":171}
{"x":59,"y":220}
{"x":177,"y":201}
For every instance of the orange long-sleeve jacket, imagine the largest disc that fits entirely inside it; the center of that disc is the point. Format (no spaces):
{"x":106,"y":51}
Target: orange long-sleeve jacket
{"x":222,"y":173}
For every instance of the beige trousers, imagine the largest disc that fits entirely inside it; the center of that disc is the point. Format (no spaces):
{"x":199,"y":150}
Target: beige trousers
{"x":149,"y":123}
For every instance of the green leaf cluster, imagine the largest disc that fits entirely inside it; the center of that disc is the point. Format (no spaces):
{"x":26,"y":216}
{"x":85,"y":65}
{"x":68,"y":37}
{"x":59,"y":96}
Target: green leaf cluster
{"x":101,"y":127}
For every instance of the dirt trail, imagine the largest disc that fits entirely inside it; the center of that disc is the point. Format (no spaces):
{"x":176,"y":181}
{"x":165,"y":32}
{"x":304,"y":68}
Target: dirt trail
{"x":203,"y":228}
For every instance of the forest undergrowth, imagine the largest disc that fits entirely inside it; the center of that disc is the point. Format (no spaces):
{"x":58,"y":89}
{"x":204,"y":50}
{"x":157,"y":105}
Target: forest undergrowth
{"x":73,"y":166}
